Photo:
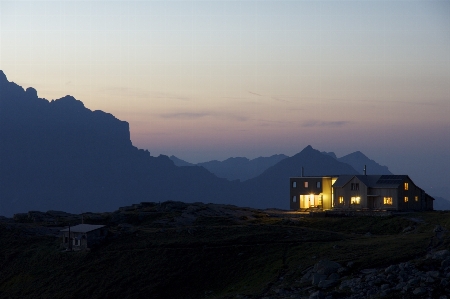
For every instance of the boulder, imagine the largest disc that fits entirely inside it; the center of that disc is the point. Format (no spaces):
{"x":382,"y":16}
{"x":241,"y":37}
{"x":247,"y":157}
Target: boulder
{"x":326,"y":267}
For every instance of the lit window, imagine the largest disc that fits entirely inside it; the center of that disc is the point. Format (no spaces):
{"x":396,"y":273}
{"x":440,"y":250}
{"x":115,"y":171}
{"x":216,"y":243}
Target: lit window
{"x":294,"y":198}
{"x":355,"y":200}
{"x":406,"y":199}
{"x":306,"y":184}
{"x":341,"y":199}
{"x":388,"y":200}
{"x":294,"y":184}
{"x":406,"y":186}
{"x":317,"y":184}
{"x":416,"y":198}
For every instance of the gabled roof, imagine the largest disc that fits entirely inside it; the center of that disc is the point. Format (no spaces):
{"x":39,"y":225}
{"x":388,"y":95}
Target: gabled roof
{"x":390,"y":181}
{"x":368,"y":180}
{"x":82,"y":228}
{"x":373,"y":181}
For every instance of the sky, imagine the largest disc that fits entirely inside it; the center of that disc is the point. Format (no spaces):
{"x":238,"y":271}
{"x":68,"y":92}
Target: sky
{"x":206,"y":80}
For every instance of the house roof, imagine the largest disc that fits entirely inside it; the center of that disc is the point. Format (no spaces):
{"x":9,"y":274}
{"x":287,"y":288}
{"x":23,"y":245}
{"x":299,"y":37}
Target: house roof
{"x":82,"y":228}
{"x":373,"y":181}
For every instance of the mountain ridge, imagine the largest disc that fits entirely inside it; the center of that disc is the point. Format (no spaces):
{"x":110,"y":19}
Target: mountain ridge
{"x":60,"y":155}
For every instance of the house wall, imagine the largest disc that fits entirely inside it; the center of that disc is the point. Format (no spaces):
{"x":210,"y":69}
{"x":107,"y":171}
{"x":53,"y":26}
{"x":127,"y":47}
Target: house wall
{"x":327,"y":193}
{"x":385,"y":192}
{"x":86,"y":240}
{"x":76,"y":240}
{"x":411,"y":193}
{"x":347,"y":192}
{"x":300,"y":191}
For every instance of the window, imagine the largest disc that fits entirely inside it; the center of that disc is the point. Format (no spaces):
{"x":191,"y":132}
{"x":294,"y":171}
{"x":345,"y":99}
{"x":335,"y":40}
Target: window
{"x":406,"y":199}
{"x":354,"y":186}
{"x":387,"y":201}
{"x":294,"y":184}
{"x":76,"y":242}
{"x":406,"y":187}
{"x":317,"y":184}
{"x":294,"y":198}
{"x":341,"y":199}
{"x":306,"y":185}
{"x":355,"y":200}
{"x":416,"y":198}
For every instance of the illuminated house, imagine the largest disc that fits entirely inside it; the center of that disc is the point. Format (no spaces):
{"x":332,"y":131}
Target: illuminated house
{"x":358,"y":192}
{"x":82,"y":236}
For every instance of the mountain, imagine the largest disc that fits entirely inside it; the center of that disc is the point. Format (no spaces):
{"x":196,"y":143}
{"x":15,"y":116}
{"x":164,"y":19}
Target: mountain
{"x":179,"y":162}
{"x":271,"y":188}
{"x":358,"y":160}
{"x":332,"y":154}
{"x":441,"y":203}
{"x":59,"y":155}
{"x":241,"y":168}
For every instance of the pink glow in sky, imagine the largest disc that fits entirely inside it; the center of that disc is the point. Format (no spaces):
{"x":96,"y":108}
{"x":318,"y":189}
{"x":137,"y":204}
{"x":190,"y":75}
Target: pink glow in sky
{"x":212,"y":79}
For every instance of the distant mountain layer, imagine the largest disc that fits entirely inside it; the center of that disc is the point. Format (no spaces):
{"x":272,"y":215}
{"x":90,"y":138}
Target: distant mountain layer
{"x":441,"y":203}
{"x":238,"y":168}
{"x":358,"y":161}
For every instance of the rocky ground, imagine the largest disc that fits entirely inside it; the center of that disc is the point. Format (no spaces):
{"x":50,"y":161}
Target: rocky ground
{"x":427,"y":277}
{"x":233,"y":252}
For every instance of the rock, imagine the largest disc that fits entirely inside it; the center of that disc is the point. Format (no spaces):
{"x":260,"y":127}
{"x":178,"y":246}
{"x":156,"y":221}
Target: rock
{"x":326,"y":267}
{"x":327,"y":283}
{"x":408,"y":229}
{"x":419,"y":291}
{"x":438,"y":229}
{"x":413,"y":281}
{"x":342,"y":270}
{"x":368,"y":271}
{"x":334,"y":276}
{"x":317,"y":278}
{"x":445,"y":263}
{"x":439,"y":255}
{"x":371,"y":292}
{"x":317,"y":295}
{"x":306,"y":277}
{"x":384,"y":286}
{"x":391,"y":268}
{"x":433,"y":274}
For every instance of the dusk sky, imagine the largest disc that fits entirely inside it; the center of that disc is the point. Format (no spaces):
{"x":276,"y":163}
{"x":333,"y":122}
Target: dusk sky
{"x":207,"y":80}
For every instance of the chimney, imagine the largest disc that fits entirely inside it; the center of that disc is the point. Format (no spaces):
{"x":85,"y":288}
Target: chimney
{"x":365,"y":170}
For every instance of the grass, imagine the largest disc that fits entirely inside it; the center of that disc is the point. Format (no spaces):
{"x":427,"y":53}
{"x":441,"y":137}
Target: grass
{"x":214,"y":257}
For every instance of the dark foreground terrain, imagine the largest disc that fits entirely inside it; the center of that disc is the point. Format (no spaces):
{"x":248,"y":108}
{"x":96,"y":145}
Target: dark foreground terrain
{"x":178,"y":250}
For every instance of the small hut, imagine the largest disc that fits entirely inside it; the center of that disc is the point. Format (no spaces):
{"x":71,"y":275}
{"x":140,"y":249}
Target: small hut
{"x":82,"y":236}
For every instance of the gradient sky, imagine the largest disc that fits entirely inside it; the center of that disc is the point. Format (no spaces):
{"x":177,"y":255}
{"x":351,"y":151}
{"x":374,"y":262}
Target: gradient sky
{"x":213,"y":79}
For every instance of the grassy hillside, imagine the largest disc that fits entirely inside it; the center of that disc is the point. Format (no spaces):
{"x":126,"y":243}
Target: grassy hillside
{"x":176,"y":250}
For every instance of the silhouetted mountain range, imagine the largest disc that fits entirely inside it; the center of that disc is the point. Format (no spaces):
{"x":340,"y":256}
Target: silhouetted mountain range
{"x":59,"y":155}
{"x":358,"y":160}
{"x":238,"y":168}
